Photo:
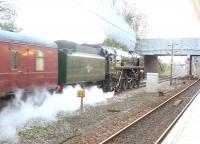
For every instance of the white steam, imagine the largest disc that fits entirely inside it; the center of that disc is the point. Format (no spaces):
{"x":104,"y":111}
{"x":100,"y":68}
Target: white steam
{"x":80,"y":21}
{"x":113,"y":22}
{"x":43,"y":105}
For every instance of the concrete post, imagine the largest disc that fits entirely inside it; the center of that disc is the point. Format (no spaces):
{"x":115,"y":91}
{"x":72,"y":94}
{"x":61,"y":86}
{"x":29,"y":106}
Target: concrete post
{"x":190,"y":67}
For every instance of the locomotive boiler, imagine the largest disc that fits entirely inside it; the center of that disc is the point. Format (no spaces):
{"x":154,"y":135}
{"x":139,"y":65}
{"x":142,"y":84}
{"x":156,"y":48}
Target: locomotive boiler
{"x":123,"y":69}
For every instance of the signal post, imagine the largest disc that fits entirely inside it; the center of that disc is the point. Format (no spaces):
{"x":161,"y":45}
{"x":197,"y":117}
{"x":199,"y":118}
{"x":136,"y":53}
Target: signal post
{"x":81,"y":94}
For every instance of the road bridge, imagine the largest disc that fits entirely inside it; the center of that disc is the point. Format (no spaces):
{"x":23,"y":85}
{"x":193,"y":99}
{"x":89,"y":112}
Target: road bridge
{"x":163,"y":47}
{"x":151,"y":48}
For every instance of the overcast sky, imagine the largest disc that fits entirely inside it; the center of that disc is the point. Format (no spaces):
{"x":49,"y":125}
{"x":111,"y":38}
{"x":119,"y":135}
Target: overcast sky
{"x":171,"y":18}
{"x":68,"y":19}
{"x":73,"y":20}
{"x":56,"y":19}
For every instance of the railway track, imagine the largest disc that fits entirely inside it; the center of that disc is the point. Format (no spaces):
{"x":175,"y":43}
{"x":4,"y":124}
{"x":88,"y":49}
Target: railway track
{"x":166,"y":132}
{"x":154,"y":126}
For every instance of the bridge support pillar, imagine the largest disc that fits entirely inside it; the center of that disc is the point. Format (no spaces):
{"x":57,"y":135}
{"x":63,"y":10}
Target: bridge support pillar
{"x":151,"y":64}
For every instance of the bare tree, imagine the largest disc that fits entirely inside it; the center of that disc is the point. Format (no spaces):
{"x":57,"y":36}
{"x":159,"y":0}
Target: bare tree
{"x":136,"y":19}
{"x":113,"y":43}
{"x":7,"y":16}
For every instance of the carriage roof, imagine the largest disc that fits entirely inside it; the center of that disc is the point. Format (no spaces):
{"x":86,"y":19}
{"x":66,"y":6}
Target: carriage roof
{"x":25,"y":39}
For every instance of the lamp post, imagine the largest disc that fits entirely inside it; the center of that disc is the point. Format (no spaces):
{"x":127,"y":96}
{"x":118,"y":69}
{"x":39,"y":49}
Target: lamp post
{"x":172,"y":55}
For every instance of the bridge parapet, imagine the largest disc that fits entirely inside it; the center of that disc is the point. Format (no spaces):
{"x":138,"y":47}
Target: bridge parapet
{"x":162,"y":47}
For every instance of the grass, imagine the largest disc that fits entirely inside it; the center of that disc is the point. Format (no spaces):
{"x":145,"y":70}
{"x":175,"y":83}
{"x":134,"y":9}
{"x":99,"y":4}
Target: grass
{"x":166,"y":70}
{"x":33,"y":134}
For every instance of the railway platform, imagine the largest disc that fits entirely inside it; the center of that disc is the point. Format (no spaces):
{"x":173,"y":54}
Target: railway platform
{"x":187,"y":129}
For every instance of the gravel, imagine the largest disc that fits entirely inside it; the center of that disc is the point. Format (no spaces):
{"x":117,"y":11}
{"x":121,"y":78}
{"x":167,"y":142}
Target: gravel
{"x":149,"y":129}
{"x":97,"y":121}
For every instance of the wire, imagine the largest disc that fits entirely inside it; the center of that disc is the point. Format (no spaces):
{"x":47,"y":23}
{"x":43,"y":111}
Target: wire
{"x":101,"y":17}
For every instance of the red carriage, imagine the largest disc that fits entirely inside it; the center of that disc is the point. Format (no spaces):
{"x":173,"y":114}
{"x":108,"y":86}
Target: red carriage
{"x":26,"y":62}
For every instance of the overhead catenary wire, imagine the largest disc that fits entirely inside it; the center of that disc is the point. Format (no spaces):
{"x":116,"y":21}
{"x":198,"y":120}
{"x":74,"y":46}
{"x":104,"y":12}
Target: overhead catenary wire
{"x":101,"y":17}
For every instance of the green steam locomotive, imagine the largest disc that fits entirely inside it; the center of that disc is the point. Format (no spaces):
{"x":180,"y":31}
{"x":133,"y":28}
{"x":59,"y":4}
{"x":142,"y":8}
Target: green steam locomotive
{"x":110,"y":68}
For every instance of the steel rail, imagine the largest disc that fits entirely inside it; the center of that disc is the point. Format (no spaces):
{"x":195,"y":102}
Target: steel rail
{"x":166,"y":132}
{"x":145,"y":115}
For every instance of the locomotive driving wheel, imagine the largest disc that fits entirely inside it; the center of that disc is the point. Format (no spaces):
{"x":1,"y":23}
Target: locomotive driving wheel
{"x":131,"y":84}
{"x":125,"y":84}
{"x":138,"y":83}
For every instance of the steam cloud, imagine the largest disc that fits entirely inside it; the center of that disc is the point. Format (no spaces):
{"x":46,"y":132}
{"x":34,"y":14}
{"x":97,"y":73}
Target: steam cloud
{"x":75,"y":21}
{"x":112,"y":22}
{"x":43,"y":105}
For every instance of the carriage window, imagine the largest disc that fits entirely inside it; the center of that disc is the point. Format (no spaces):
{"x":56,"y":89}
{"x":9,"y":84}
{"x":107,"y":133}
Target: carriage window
{"x":39,"y":60}
{"x":14,"y":60}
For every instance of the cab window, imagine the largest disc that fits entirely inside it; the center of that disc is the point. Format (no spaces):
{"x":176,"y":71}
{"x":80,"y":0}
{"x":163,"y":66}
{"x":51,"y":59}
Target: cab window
{"x":39,"y":60}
